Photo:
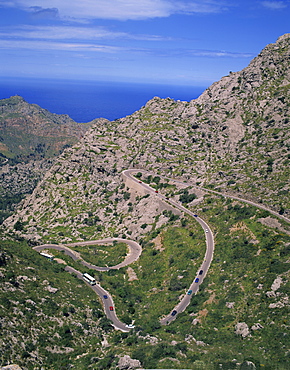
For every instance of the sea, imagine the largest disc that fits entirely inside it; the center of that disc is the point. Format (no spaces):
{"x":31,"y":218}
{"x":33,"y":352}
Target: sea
{"x":84,"y":101}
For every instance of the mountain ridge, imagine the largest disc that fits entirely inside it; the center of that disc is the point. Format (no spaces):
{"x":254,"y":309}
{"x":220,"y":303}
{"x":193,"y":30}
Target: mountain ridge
{"x":233,"y":139}
{"x":229,"y":145}
{"x":30,"y":128}
{"x":31,"y":138}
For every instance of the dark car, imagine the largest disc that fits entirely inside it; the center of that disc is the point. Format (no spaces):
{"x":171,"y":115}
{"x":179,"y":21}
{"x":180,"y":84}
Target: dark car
{"x":200,"y":272}
{"x":196,"y":280}
{"x":189,"y":292}
{"x":195,"y":215}
{"x":111,"y":308}
{"x":105,"y":296}
{"x":173,"y":313}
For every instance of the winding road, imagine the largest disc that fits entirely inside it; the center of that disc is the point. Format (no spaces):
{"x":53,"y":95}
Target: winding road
{"x":194,"y":286}
{"x":135,"y":251}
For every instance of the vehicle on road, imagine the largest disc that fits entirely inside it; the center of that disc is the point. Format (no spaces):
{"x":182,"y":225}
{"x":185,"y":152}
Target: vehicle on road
{"x":89,"y":279}
{"x":206,"y":230}
{"x":156,"y":191}
{"x":49,"y":256}
{"x":195,"y":215}
{"x":105,"y":296}
{"x":200,"y":272}
{"x":111,"y":308}
{"x":196,"y":280}
{"x":130,"y":326}
{"x":173,"y":313}
{"x":189,"y":292}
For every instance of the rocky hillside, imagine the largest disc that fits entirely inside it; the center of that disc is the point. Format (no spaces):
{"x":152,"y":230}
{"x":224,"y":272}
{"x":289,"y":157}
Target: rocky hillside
{"x":234,"y":139}
{"x":29,"y":140}
{"x":30,"y":132}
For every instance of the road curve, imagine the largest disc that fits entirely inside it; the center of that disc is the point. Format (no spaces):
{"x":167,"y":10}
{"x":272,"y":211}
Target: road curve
{"x":194,"y":286}
{"x":107,"y":300}
{"x":136,"y":250}
{"x":133,"y":255}
{"x":258,"y":205}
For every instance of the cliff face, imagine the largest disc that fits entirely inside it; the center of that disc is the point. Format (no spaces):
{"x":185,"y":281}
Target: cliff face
{"x":234,"y":137}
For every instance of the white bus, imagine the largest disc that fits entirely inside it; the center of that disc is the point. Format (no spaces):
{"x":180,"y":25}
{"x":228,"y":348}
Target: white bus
{"x":49,"y":256}
{"x":89,"y":279}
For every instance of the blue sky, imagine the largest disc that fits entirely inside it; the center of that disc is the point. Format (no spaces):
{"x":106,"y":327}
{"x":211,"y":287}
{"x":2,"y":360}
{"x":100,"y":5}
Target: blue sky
{"x":177,"y":42}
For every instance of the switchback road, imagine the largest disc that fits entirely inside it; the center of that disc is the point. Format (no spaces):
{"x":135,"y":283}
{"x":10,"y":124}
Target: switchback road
{"x":135,"y":249}
{"x":134,"y":254}
{"x":202,"y":271}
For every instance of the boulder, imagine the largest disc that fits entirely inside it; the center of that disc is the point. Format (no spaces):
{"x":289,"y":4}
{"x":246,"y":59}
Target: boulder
{"x":126,"y":362}
{"x":242,"y":329}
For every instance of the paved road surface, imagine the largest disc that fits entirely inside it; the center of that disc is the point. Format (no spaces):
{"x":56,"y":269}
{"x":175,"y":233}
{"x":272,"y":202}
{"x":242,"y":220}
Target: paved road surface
{"x":134,"y":254}
{"x":136,"y":250}
{"x":194,"y":286}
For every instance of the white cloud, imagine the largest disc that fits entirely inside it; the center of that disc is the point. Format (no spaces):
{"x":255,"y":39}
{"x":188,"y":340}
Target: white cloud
{"x":79,"y":46}
{"x":115,"y":9}
{"x":61,"y":46}
{"x":72,"y":33}
{"x":219,"y":53}
{"x":61,"y":33}
{"x":274,"y":4}
{"x":191,"y":7}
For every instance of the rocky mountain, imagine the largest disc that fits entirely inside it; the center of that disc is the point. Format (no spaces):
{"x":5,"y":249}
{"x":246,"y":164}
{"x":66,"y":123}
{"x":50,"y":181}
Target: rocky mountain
{"x":233,"y":139}
{"x":30,"y":132}
{"x":30,"y":138}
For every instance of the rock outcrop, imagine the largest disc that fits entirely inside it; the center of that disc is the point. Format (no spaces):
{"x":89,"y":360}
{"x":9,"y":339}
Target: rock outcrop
{"x":242,"y":329}
{"x":126,"y":362}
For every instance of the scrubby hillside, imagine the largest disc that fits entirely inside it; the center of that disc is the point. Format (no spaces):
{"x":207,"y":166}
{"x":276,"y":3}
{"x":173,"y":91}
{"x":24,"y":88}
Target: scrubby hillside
{"x":235,"y":139}
{"x":30,"y":132}
{"x":30,"y":138}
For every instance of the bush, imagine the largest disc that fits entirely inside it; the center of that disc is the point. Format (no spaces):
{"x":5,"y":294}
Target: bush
{"x":18,"y":226}
{"x":126,"y":196}
{"x":186,"y":197}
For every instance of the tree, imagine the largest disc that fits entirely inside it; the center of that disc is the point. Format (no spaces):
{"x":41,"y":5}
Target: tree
{"x":18,"y":226}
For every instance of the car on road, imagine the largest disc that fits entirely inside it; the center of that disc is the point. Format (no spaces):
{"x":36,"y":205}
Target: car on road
{"x":200,"y":272}
{"x":195,"y":215}
{"x":173,"y":313}
{"x":105,"y":296}
{"x":206,"y":230}
{"x":189,"y":292}
{"x":156,"y":191}
{"x":196,"y":280}
{"x":130,"y":326}
{"x":111,"y":308}
{"x":140,"y":182}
